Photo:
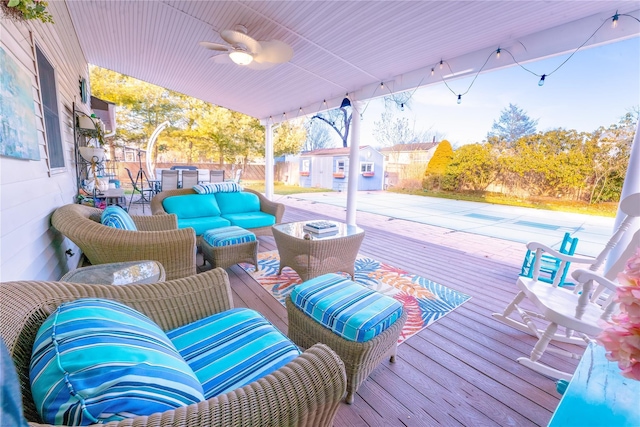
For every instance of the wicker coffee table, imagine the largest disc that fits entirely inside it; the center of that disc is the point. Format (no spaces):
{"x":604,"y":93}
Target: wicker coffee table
{"x":311,"y":254}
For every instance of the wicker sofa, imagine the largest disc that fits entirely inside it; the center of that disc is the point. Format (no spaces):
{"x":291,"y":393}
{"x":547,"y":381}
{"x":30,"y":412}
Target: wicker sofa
{"x":158,"y":239}
{"x":306,"y":391}
{"x":216,"y":211}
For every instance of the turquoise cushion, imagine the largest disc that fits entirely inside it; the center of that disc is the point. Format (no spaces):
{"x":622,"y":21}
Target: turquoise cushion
{"x":227,"y":236}
{"x":192,"y":205}
{"x":116,"y":217}
{"x":109,"y":357}
{"x":231,"y":203}
{"x":201,"y":225}
{"x":251,"y":219}
{"x":349,"y":309}
{"x":232,"y":349}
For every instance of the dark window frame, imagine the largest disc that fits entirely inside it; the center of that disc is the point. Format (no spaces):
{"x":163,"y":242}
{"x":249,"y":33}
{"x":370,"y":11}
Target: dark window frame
{"x":50,"y":111}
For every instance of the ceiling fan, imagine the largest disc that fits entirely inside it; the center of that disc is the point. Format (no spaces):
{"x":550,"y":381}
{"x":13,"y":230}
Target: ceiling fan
{"x":245,"y":50}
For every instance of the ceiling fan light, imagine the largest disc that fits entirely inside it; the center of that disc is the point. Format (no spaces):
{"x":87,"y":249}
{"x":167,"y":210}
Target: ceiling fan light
{"x":240,"y":57}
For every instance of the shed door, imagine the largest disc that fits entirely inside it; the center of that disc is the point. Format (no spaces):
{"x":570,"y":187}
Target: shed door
{"x":322,"y":173}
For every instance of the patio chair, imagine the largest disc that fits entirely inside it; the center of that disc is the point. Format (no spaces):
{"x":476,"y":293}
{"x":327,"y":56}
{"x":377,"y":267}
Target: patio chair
{"x":169,"y":180}
{"x":582,"y":313}
{"x":305,"y":392}
{"x":158,"y":239}
{"x":236,"y":176}
{"x":189,"y":178}
{"x":550,"y":266}
{"x":216,"y":176}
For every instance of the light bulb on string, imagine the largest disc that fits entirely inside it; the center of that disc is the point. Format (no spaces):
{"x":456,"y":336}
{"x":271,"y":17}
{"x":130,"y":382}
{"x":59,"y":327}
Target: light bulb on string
{"x":441,"y":64}
{"x":614,"y":20}
{"x":459,"y":99}
{"x":402,"y":107}
{"x":498,"y":53}
{"x":433,"y":71}
{"x":541,"y":82}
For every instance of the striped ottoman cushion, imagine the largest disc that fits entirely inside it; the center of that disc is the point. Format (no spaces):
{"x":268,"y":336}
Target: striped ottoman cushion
{"x":349,"y":309}
{"x":96,"y":360}
{"x":231,"y":349}
{"x":227,"y":236}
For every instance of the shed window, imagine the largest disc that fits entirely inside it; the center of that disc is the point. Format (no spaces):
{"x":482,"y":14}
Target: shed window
{"x":340,"y":166}
{"x":49,"y":97}
{"x":366,"y":167}
{"x":305,"y":165}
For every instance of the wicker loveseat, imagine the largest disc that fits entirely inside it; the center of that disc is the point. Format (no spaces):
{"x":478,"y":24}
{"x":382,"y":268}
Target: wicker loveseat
{"x":222,"y":209}
{"x":306,"y":391}
{"x":158,"y":239}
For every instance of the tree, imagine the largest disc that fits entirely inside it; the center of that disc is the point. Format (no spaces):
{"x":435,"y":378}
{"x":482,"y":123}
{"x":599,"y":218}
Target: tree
{"x":317,"y":136}
{"x":392,"y":129}
{"x":512,"y":125}
{"x":472,"y":166}
{"x":438,"y":165}
{"x":339,"y":119}
{"x":289,"y":138}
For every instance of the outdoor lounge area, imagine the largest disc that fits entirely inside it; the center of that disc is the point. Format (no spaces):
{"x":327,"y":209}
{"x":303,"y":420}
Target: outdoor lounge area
{"x":461,"y":370}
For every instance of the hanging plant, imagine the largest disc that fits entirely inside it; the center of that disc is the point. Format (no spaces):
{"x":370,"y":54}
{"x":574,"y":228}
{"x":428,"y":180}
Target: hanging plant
{"x":24,"y":10}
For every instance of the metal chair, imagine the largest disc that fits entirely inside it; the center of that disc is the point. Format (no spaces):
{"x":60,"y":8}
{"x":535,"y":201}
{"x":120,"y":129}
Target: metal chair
{"x":169,"y":180}
{"x":189,"y":178}
{"x":216,"y":176}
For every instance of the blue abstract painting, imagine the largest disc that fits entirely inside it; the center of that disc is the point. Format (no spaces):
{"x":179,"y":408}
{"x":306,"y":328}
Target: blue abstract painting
{"x":18,"y":134}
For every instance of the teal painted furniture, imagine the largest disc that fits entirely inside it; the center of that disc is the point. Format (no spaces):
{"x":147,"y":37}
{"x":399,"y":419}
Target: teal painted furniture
{"x":598,"y":395}
{"x":550,"y":265}
{"x":202,"y":212}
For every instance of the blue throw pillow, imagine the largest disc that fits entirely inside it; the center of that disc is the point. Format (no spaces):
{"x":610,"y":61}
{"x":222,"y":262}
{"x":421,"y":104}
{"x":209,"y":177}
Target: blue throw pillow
{"x":96,"y":360}
{"x":116,"y":217}
{"x":219,"y":187}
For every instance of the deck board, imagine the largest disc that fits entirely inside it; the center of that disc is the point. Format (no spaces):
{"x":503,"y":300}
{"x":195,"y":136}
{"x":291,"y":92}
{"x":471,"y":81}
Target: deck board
{"x":461,"y":370}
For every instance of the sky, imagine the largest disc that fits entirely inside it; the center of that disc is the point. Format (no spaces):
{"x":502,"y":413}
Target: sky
{"x":596,"y":87}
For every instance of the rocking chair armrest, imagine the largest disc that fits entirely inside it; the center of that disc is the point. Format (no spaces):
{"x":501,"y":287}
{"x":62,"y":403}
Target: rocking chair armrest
{"x":534,"y":246}
{"x":583,"y":276}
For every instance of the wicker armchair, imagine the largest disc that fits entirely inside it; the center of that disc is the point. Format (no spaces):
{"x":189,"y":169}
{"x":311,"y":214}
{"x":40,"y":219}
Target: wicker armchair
{"x":307,"y":391}
{"x":266,"y":206}
{"x":158,"y":239}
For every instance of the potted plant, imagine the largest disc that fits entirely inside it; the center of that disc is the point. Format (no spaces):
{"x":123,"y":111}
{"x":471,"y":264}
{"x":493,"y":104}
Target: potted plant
{"x":24,"y":10}
{"x":94,"y":151}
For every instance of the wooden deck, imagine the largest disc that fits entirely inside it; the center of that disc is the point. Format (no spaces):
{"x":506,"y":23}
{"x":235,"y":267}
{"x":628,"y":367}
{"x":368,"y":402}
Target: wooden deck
{"x":461,"y":370}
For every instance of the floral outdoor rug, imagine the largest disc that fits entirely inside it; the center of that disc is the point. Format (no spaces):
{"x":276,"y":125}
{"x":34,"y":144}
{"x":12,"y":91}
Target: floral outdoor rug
{"x":424,"y":301}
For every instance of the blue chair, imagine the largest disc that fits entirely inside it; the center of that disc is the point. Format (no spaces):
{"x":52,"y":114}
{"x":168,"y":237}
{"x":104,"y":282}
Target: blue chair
{"x":549,"y":265}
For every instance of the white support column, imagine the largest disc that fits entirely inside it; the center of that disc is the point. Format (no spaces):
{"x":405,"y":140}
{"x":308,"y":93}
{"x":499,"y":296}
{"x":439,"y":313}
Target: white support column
{"x":354,"y":163}
{"x":268,"y":155}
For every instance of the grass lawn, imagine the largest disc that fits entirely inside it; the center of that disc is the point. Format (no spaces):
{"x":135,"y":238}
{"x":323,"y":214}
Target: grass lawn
{"x":281,"y":189}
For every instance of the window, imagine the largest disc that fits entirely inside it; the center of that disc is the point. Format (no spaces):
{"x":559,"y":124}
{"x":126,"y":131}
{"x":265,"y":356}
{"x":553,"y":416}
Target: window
{"x":366,"y":167}
{"x":339,"y":172}
{"x":49,"y":97}
{"x":305,"y":167}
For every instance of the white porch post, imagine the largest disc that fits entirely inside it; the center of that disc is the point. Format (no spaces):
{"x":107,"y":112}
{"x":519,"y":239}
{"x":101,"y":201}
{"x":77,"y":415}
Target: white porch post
{"x":268,"y":155}
{"x":354,"y":163}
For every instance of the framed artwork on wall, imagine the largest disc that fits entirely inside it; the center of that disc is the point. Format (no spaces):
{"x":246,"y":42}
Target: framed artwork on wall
{"x":18,"y":134}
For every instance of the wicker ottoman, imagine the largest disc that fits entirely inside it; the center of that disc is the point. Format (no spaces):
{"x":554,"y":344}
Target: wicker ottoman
{"x":226,"y":246}
{"x":360,"y":324}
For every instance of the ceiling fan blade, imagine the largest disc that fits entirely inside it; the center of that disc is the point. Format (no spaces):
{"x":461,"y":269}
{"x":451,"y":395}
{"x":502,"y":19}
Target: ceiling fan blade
{"x":215,"y":46}
{"x":222,"y":59}
{"x":237,"y":38}
{"x":259,"y":65}
{"x":274,"y":51}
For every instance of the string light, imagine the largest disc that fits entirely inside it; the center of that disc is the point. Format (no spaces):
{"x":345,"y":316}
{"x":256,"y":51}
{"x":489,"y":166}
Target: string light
{"x":433,"y":71}
{"x":541,"y":82}
{"x":402,"y":107}
{"x":441,"y":64}
{"x":498,"y":53}
{"x":459,"y":99}
{"x":614,"y":20}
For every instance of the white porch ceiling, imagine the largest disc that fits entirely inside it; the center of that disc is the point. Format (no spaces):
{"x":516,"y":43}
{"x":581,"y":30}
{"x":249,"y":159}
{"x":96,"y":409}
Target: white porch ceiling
{"x":339,"y":46}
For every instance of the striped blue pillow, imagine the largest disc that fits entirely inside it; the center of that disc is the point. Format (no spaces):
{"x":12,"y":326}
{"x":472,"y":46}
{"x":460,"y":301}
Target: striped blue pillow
{"x":232,"y":349}
{"x":97,"y":360}
{"x":227,"y":236}
{"x":351,"y":310}
{"x":218,"y":187}
{"x":116,"y":217}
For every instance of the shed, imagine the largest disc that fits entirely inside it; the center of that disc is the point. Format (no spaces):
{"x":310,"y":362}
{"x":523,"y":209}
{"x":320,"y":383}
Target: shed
{"x":329,"y":168}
